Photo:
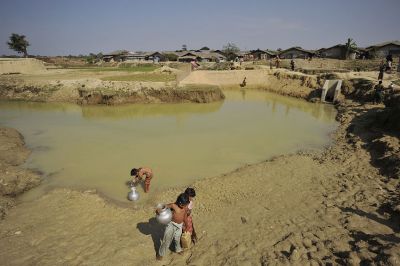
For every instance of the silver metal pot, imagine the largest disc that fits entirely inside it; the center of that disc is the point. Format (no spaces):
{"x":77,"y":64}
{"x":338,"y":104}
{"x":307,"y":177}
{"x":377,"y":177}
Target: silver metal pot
{"x":133,"y":195}
{"x":165,"y":214}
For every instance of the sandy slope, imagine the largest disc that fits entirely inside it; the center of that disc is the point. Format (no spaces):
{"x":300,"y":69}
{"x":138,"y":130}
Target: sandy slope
{"x":21,"y":65}
{"x":281,"y":81}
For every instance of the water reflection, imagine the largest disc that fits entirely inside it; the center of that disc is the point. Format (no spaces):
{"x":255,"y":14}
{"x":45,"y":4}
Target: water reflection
{"x":145,"y":110}
{"x":320,"y":111}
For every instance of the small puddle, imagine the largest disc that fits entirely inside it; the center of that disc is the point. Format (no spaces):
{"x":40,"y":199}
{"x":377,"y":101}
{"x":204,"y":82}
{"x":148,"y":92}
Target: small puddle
{"x":96,"y":146}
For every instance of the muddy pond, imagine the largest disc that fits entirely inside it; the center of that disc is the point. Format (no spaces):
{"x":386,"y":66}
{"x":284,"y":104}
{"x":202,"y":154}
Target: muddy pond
{"x":96,"y":146}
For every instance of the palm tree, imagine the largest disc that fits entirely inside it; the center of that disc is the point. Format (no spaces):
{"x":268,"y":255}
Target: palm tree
{"x":351,"y":47}
{"x":18,"y":43}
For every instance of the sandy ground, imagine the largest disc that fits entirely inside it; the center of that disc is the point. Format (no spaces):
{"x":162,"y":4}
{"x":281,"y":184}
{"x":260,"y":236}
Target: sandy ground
{"x":21,"y":65}
{"x":340,"y":206}
{"x":86,"y":87}
{"x":14,"y":180}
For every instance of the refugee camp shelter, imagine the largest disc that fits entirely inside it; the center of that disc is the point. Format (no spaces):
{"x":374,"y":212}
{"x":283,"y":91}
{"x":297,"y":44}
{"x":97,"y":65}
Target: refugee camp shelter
{"x":124,"y":55}
{"x":296,"y":52}
{"x":382,"y":50}
{"x":258,"y":55}
{"x":336,"y":52}
{"x":115,"y":56}
{"x":203,"y":56}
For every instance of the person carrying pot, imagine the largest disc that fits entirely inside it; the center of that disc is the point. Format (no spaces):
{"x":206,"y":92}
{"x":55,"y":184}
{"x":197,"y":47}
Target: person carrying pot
{"x":173,"y":231}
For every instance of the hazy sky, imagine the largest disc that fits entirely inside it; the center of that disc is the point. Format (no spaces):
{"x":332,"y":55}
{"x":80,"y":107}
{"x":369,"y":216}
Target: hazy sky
{"x":55,"y":27}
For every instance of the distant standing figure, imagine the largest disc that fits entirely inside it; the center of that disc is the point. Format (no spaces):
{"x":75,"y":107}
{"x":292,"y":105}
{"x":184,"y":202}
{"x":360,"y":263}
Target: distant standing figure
{"x":292,"y":65}
{"x":270,"y":63}
{"x":277,"y":61}
{"x":194,"y":64}
{"x":138,"y":174}
{"x":381,"y":70}
{"x":389,"y":66}
{"x":398,"y":66}
{"x":389,"y":61}
{"x":243,"y":84}
{"x":378,"y":95}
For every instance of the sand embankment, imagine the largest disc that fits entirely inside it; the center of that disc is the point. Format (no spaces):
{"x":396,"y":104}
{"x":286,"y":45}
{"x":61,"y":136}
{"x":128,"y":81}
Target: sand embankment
{"x":340,"y":206}
{"x":13,"y":179}
{"x":280,"y":81}
{"x":21,"y":66}
{"x":96,"y":91}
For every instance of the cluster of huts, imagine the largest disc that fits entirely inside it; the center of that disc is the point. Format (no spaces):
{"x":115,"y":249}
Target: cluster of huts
{"x":204,"y":54}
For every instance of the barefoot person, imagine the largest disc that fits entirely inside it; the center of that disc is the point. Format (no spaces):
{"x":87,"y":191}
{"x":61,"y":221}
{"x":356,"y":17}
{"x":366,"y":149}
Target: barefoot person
{"x":138,"y":174}
{"x":174,"y":228}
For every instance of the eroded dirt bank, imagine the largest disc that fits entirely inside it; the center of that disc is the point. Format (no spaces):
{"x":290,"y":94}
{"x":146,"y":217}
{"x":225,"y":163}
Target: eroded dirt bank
{"x":280,"y":81}
{"x":14,"y":180}
{"x":95,"y":91}
{"x":340,"y":206}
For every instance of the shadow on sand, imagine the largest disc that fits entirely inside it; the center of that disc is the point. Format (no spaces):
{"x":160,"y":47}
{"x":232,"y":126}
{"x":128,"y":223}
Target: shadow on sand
{"x":153,"y":228}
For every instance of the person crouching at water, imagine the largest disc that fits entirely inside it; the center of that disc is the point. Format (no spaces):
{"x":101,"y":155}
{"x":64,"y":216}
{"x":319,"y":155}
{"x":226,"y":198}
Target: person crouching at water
{"x":173,"y":231}
{"x":188,"y":223}
{"x":138,"y":174}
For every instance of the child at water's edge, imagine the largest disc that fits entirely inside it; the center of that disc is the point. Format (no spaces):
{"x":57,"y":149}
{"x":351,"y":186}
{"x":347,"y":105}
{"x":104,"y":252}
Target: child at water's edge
{"x":173,"y":231}
{"x":138,"y":174}
{"x":188,"y":223}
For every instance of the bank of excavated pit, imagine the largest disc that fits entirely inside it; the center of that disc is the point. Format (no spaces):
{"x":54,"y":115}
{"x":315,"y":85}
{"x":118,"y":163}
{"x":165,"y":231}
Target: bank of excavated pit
{"x":94,"y":91}
{"x":278,"y":81}
{"x":14,"y":180}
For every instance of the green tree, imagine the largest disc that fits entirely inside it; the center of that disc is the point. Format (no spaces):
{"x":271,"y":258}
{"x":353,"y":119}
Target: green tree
{"x":18,"y":43}
{"x":351,"y":47}
{"x":230,"y":50}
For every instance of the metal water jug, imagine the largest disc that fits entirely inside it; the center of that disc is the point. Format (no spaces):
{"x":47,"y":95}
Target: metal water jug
{"x":165,"y":214}
{"x":133,"y":195}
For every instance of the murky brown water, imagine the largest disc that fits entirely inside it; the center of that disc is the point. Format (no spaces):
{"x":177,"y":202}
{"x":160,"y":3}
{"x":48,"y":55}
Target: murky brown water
{"x":96,"y":146}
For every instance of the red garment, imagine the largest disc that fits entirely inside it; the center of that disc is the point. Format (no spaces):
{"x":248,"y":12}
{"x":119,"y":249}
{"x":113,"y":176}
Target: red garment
{"x":188,"y":224}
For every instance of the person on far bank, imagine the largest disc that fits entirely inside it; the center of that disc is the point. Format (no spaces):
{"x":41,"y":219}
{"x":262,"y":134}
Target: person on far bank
{"x":140,"y":174}
{"x":292,"y":65}
{"x":277,"y":61}
{"x":398,"y":66}
{"x":194,"y":65}
{"x":389,"y":61}
{"x":378,"y":94}
{"x":381,"y":70}
{"x":173,"y":231}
